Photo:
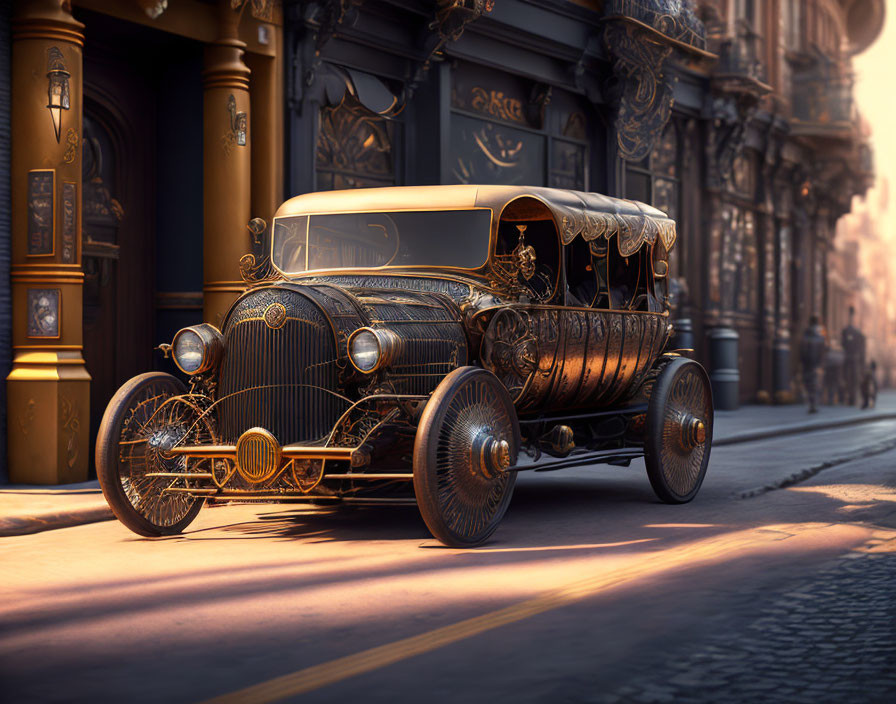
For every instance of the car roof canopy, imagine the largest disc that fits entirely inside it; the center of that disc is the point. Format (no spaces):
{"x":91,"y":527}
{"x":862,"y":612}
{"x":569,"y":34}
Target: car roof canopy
{"x":576,"y":213}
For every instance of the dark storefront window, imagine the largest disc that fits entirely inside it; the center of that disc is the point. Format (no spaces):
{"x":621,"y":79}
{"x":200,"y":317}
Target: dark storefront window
{"x":655,"y":180}
{"x":508,"y":130}
{"x":355,"y":147}
{"x":739,"y":276}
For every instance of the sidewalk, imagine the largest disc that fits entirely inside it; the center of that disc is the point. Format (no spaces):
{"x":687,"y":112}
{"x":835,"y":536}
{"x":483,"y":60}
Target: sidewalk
{"x":31,"y":509}
{"x":27,"y":508}
{"x":759,"y":422}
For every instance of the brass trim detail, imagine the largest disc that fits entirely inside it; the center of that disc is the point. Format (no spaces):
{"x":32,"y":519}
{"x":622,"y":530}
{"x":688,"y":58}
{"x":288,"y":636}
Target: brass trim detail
{"x":212,"y":347}
{"x":297,"y":452}
{"x":387,"y":342}
{"x":258,"y":455}
{"x":275,"y":316}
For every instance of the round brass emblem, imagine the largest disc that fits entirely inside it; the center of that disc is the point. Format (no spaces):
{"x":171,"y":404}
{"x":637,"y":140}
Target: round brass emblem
{"x":257,"y":455}
{"x":275,"y":315}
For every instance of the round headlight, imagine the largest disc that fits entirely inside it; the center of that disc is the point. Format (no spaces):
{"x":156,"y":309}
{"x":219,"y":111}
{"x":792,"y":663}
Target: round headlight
{"x":370,"y":349}
{"x":197,"y":349}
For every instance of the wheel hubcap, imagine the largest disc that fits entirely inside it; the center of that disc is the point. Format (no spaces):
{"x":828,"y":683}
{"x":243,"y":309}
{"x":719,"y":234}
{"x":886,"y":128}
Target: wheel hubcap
{"x":693,"y":432}
{"x":491,"y":456}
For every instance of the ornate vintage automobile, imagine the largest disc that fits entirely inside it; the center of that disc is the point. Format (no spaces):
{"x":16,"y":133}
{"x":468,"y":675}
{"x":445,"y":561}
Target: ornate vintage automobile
{"x":419,"y":344}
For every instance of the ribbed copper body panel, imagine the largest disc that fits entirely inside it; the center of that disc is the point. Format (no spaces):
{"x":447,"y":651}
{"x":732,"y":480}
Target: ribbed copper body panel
{"x":278,"y":378}
{"x":572,"y":358}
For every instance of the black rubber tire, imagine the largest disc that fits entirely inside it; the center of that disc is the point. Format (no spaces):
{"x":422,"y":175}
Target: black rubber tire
{"x":675,"y":471}
{"x":108,"y":465}
{"x":437,"y":480}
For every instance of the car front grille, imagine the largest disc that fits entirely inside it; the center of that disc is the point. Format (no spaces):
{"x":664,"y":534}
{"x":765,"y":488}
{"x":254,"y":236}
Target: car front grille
{"x":280,"y":377}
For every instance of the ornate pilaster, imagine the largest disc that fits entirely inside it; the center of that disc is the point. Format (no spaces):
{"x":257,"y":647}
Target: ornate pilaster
{"x":48,"y":389}
{"x":729,"y":109}
{"x":226,"y":167}
{"x":645,"y":103}
{"x":771,"y":164}
{"x":640,"y":36}
{"x":784,"y":238}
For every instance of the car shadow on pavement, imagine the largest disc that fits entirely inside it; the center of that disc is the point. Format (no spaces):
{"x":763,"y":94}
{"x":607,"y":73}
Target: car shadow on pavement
{"x":545,"y":527}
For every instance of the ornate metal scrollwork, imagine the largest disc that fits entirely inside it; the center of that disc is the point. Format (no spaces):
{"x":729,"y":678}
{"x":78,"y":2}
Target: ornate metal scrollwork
{"x":517,"y":273}
{"x":731,"y":116}
{"x":647,"y":95}
{"x":256,"y":267}
{"x":510,"y":350}
{"x":448,"y":24}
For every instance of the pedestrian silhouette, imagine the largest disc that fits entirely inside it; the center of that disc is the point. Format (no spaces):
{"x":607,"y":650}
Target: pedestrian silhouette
{"x":853,"y":342}
{"x":811,"y":357}
{"x":869,"y":386}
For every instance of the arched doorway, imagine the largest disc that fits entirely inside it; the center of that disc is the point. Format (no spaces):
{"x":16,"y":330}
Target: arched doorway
{"x":142,"y":193}
{"x":117,"y":248}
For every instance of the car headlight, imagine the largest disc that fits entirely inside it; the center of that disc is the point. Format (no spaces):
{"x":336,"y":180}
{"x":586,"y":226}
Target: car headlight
{"x":370,"y":349}
{"x":197,"y":349}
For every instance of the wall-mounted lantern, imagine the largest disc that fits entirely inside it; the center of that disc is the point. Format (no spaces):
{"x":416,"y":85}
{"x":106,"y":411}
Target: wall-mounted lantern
{"x":58,"y":88}
{"x":239,"y":122}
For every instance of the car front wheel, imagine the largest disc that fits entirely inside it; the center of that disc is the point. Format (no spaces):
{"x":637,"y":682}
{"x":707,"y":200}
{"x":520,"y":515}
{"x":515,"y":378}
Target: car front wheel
{"x":467,"y":438}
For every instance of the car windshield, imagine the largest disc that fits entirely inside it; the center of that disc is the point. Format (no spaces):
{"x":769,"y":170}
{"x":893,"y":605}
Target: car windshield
{"x":439,"y":238}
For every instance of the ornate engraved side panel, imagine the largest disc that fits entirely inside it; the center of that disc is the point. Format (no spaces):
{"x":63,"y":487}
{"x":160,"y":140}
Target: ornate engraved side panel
{"x":553,"y":358}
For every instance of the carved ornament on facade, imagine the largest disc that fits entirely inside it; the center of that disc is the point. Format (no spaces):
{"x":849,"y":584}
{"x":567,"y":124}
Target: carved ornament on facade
{"x":730,"y":118}
{"x":647,"y":96}
{"x":641,"y":36}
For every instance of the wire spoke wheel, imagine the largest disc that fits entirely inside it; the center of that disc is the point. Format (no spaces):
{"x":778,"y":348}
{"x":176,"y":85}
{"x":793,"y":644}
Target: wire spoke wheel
{"x":468,"y":435}
{"x":144,"y":421}
{"x":679,"y":431}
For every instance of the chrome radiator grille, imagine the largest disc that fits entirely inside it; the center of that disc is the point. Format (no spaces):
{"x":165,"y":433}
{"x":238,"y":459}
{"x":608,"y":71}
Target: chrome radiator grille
{"x":279,"y":369}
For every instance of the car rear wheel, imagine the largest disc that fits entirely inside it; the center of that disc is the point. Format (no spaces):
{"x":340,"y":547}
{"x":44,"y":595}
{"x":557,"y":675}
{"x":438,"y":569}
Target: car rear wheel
{"x":142,"y":422}
{"x":678,"y":431}
{"x":468,"y":436}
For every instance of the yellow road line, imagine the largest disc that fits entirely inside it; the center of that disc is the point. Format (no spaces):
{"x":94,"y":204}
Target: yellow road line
{"x":317,"y":676}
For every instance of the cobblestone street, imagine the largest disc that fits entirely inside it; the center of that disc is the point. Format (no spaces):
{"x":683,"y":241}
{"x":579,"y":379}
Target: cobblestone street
{"x":828,"y":639}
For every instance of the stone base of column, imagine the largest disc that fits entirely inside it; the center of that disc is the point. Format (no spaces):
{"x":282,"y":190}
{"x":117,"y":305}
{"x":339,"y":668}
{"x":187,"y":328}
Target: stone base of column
{"x":724,"y":373}
{"x":48,"y":411}
{"x":682,"y":335}
{"x":783,"y":392}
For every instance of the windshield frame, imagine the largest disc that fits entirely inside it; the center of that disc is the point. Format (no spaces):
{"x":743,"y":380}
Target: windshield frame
{"x":386,"y":267}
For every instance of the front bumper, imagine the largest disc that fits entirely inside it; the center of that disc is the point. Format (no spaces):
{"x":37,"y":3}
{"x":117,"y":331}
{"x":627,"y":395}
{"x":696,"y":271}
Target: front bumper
{"x":289,"y":452}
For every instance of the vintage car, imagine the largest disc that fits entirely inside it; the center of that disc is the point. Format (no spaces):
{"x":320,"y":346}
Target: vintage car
{"x":419,"y":344}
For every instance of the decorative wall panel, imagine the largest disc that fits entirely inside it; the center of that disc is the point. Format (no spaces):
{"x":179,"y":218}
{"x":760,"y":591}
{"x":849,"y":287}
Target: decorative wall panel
{"x":41,"y":211}
{"x":69,"y":222}
{"x":43,"y":312}
{"x":354,"y":147}
{"x":489,"y":153}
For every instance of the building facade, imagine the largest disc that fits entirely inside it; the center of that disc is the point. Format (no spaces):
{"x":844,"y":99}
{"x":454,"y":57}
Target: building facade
{"x":138,"y":151}
{"x":185,"y":118}
{"x":735,"y":116}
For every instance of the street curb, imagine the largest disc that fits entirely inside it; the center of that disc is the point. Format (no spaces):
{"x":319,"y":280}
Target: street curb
{"x":779,"y":431}
{"x":37,"y":523}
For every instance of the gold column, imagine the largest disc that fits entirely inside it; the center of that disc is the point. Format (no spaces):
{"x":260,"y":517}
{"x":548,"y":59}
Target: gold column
{"x":226,"y":167}
{"x":267,"y":135}
{"x":48,"y":389}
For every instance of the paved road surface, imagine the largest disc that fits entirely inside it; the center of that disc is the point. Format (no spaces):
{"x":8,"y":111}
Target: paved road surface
{"x":590,"y":591}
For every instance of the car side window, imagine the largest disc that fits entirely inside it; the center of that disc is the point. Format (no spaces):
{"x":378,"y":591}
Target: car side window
{"x":629,"y":279}
{"x":585,"y":286}
{"x":533,"y":249}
